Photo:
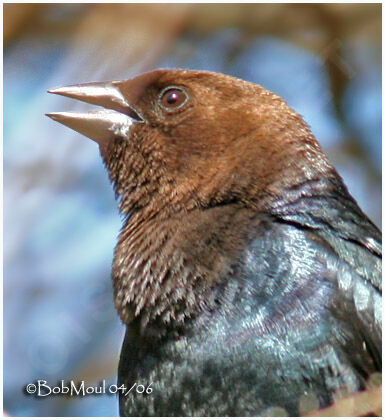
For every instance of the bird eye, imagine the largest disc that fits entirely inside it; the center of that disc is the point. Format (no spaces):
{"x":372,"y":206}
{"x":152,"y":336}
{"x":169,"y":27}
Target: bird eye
{"x":173,"y":98}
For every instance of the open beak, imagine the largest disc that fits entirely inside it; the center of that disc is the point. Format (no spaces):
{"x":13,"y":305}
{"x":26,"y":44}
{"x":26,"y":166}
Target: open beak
{"x":101,"y":125}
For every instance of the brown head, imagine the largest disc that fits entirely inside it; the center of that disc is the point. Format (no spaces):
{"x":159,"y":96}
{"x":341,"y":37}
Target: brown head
{"x":176,"y":142}
{"x":174,"y":139}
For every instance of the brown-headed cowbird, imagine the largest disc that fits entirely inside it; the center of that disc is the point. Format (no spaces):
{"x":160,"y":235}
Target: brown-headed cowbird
{"x":246,"y":274}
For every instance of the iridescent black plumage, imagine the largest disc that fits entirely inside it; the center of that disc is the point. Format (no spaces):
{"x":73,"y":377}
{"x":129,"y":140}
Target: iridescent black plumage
{"x":298,"y":312}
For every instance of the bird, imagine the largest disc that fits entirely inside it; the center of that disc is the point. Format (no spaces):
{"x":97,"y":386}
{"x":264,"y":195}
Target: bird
{"x":245,"y":273}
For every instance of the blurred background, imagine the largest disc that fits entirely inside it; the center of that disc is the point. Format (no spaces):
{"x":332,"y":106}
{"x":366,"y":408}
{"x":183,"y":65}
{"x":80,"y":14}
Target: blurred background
{"x":60,"y":218}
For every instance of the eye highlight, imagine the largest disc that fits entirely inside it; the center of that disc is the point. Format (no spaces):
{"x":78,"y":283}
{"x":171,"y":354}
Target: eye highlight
{"x":173,"y":97}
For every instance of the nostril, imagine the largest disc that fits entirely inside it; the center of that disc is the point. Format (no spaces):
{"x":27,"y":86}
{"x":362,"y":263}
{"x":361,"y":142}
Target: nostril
{"x":133,"y":114}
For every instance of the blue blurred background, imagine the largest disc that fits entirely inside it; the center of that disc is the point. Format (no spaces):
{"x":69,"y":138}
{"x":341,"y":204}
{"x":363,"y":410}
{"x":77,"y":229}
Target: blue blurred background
{"x":60,"y":218}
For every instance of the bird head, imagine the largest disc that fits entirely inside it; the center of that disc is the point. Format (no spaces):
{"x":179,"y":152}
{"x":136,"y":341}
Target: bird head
{"x":174,"y":140}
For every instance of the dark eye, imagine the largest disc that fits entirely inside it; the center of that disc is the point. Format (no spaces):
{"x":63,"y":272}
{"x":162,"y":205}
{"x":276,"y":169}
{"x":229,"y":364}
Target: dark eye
{"x":173,"y":98}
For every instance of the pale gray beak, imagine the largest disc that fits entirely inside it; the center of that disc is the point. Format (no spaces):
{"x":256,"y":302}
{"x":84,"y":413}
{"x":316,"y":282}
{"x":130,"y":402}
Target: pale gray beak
{"x":102,"y":125}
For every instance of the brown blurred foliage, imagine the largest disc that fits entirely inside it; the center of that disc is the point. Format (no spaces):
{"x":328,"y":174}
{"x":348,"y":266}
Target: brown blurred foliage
{"x":139,"y":29}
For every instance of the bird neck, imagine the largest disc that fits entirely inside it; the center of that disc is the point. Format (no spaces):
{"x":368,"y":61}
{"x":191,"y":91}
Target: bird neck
{"x":320,"y":198}
{"x":168,"y":267}
{"x":165,"y":272}
{"x":325,"y":206}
